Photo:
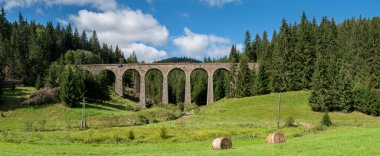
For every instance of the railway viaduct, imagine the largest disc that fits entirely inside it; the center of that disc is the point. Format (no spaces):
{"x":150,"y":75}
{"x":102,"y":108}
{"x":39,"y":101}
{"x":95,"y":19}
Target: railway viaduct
{"x":164,"y":68}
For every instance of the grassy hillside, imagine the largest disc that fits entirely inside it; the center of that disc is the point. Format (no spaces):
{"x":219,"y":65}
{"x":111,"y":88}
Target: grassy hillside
{"x":248,"y":121}
{"x":358,"y":141}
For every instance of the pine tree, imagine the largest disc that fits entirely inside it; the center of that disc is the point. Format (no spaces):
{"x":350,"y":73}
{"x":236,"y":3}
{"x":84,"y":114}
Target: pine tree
{"x":248,"y":50}
{"x":232,"y":78}
{"x":234,"y":55}
{"x":262,"y":81}
{"x":326,"y":120}
{"x":256,"y":47}
{"x":94,"y":43}
{"x":83,"y":42}
{"x":344,"y":91}
{"x":76,"y":40}
{"x":72,"y":88}
{"x":243,"y":78}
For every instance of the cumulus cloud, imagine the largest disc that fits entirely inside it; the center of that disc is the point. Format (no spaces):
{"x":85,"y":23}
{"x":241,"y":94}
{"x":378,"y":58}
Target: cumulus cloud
{"x":202,"y":45}
{"x":122,"y":27}
{"x":144,"y":52}
{"x":62,"y":21}
{"x":132,"y":30}
{"x":97,"y":4}
{"x":218,"y":3}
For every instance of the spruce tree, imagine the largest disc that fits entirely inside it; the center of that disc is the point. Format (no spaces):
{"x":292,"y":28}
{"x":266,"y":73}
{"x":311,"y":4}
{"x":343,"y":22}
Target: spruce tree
{"x":232,"y":78}
{"x":248,"y":50}
{"x":262,"y":81}
{"x":243,"y":84}
{"x":256,"y":49}
{"x":72,"y":88}
{"x":94,"y":43}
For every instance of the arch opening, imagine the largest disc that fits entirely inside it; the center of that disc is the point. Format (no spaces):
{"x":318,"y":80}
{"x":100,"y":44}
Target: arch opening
{"x":111,"y":78}
{"x":153,"y":87}
{"x":176,"y":86}
{"x":131,"y":85}
{"x":198,"y":82}
{"x":220,"y":81}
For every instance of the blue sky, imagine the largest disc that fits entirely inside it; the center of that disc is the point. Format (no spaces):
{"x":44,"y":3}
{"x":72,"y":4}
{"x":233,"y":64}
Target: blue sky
{"x":157,"y":29}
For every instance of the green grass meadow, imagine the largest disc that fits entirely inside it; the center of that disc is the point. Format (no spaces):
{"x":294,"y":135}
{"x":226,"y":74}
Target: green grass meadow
{"x":53,"y":129}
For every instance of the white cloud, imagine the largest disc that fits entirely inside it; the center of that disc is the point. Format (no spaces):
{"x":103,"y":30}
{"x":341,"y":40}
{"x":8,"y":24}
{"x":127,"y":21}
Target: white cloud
{"x":202,"y":45}
{"x":97,"y":4}
{"x":144,"y":52}
{"x":131,"y":30}
{"x":122,"y":26}
{"x":218,"y":3}
{"x":62,"y":21}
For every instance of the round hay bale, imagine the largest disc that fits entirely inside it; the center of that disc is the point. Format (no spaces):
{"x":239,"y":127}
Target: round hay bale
{"x":276,"y":138}
{"x":222,"y":143}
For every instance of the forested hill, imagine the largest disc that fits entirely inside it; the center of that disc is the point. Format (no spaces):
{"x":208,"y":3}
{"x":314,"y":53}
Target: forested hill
{"x":28,"y":48}
{"x":179,"y":59}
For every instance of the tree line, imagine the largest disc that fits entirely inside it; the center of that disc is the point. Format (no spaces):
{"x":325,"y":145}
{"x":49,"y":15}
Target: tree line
{"x":338,"y":62}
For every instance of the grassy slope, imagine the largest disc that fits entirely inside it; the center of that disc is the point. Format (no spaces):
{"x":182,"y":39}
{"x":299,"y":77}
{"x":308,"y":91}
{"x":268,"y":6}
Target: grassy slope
{"x":239,"y":118}
{"x":359,"y":141}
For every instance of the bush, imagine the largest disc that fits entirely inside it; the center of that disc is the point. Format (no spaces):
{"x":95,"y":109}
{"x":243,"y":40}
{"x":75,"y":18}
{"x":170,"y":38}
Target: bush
{"x":191,"y":107}
{"x":326,"y":120}
{"x":290,"y":122}
{"x":142,"y":119}
{"x":43,"y":96}
{"x":131,"y":135}
{"x":164,"y":133}
{"x":181,"y":106}
{"x":39,"y":83}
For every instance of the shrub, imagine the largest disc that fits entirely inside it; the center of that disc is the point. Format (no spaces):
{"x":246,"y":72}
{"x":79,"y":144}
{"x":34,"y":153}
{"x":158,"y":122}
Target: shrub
{"x":142,"y":119}
{"x":43,"y":96}
{"x":191,"y":107}
{"x":164,"y":133}
{"x":39,"y":83}
{"x":181,"y":106}
{"x":326,"y":120}
{"x":290,"y":122}
{"x":131,"y":135}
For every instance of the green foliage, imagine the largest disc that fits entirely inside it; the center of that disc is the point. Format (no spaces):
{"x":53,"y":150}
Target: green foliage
{"x":164,"y":133}
{"x":262,"y":81}
{"x":131,"y":135}
{"x":72,"y":87}
{"x":289,"y":122}
{"x":198,"y":80}
{"x":366,"y":100}
{"x":176,"y":86}
{"x":39,"y":83}
{"x":153,"y":87}
{"x":326,"y":120}
{"x":220,"y":84}
{"x":243,"y":85}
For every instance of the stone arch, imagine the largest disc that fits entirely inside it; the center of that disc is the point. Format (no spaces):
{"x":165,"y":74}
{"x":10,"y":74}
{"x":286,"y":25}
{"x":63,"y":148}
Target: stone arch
{"x":176,"y":78}
{"x":220,"y":83}
{"x":131,"y":84}
{"x":199,"y":85}
{"x":153,"y":86}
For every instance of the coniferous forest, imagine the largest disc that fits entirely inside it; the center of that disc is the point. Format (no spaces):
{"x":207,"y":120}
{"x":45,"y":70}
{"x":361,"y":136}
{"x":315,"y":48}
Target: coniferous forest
{"x":338,"y":62}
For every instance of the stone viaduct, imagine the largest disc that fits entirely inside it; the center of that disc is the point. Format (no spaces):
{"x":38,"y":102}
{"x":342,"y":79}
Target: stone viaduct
{"x":164,"y":68}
